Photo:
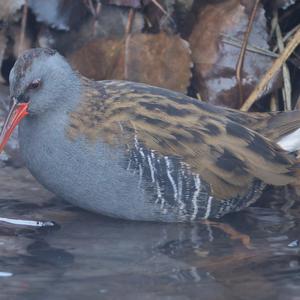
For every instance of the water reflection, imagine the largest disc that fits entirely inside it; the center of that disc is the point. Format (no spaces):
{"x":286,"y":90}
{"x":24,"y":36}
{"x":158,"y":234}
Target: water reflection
{"x":247,"y":256}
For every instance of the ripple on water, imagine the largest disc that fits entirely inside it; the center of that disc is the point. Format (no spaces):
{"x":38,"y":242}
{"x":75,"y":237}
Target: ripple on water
{"x":87,"y":255}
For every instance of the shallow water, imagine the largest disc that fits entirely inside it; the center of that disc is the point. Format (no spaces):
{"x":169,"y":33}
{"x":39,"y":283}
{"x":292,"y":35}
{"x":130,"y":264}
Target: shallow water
{"x":250,"y":255}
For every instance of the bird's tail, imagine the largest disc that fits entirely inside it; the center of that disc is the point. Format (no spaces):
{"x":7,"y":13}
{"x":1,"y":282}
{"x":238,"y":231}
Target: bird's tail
{"x":284,"y":129}
{"x":291,"y":141}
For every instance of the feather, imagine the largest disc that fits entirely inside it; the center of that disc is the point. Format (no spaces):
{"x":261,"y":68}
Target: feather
{"x":227,"y":148}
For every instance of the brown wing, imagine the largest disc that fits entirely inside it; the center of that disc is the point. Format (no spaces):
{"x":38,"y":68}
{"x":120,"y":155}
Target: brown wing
{"x":226,"y":154}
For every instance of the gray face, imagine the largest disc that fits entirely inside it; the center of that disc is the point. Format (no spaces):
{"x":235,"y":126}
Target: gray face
{"x":44,"y":79}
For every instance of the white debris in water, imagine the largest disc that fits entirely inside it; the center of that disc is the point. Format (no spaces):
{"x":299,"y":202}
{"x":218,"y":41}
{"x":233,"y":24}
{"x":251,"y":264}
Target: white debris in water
{"x":294,"y":244}
{"x":5,"y":274}
{"x":27,"y":222}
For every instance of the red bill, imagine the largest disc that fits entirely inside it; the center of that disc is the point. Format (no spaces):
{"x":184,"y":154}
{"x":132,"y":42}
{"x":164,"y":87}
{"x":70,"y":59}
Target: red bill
{"x":16,"y":113}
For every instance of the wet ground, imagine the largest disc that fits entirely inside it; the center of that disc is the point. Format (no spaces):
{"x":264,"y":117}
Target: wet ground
{"x":250,"y":255}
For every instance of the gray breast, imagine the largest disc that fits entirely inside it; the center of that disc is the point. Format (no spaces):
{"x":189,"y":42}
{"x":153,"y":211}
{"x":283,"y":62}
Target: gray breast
{"x":91,"y":176}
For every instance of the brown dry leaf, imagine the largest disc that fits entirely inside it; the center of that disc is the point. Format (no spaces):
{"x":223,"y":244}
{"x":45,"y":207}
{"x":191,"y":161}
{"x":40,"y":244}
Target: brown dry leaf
{"x":215,"y":60}
{"x":162,"y":60}
{"x":100,"y":59}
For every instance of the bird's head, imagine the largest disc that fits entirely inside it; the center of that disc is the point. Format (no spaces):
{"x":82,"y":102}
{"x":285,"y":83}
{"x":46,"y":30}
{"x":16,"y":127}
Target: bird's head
{"x":41,"y":80}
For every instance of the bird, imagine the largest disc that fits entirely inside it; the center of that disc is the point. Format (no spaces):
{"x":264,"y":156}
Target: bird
{"x":133,"y":151}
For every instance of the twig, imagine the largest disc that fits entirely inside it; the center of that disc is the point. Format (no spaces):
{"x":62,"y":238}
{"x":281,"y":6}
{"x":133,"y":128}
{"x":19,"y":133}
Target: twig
{"x":287,"y":36}
{"x":131,"y":15}
{"x":255,"y":49}
{"x":274,"y":103}
{"x":90,"y":5}
{"x":160,"y":7}
{"x":251,"y":48}
{"x":274,"y":23}
{"x":240,"y":63}
{"x":95,"y":11}
{"x":23,"y":27}
{"x":293,"y":43}
{"x":199,"y":96}
{"x":27,"y":222}
{"x":148,"y":22}
{"x":297,"y":106}
{"x":287,"y":88}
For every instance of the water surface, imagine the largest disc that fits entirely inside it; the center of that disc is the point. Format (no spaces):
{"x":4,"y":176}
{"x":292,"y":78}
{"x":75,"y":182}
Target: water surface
{"x":249,"y":255}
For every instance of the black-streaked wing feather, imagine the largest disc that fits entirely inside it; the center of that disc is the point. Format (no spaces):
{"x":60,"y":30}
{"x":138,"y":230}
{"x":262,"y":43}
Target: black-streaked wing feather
{"x":228,"y":162}
{"x":212,"y":140}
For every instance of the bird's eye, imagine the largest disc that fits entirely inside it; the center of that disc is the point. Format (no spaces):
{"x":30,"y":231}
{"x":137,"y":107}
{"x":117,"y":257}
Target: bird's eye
{"x":34,"y":84}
